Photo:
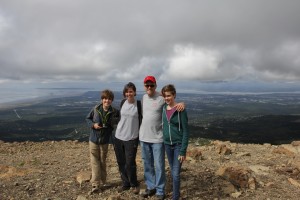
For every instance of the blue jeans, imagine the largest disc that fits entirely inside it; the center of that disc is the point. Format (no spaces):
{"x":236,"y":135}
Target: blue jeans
{"x":172,"y":154}
{"x":153,"y":155}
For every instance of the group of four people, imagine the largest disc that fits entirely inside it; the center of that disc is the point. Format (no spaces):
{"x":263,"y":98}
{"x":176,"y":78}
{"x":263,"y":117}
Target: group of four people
{"x":158,"y":123}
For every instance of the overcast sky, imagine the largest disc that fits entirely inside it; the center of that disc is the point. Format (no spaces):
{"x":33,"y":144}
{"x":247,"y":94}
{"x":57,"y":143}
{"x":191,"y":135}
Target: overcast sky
{"x":44,"y":41}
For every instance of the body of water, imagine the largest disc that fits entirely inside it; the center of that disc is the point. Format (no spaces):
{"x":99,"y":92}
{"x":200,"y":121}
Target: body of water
{"x":9,"y":96}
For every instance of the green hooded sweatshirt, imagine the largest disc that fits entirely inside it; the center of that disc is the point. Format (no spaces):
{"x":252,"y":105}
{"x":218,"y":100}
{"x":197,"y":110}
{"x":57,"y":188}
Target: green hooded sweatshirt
{"x":176,"y":131}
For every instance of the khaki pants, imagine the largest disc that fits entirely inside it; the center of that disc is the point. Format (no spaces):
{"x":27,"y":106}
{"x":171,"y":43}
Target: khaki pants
{"x":98,"y":154}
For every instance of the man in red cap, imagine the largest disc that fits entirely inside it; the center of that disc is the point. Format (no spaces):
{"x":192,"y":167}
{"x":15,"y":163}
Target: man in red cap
{"x":151,"y":140}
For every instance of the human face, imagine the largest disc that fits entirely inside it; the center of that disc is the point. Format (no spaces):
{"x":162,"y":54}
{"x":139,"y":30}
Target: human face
{"x":106,"y":103}
{"x":130,"y":93}
{"x":150,"y":88}
{"x":169,"y":98}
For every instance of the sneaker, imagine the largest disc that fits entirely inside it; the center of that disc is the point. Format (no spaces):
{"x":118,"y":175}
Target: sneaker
{"x":106,"y":185}
{"x":136,"y":190}
{"x":148,"y":193}
{"x":122,"y":189}
{"x":95,"y":188}
{"x":159,"y":197}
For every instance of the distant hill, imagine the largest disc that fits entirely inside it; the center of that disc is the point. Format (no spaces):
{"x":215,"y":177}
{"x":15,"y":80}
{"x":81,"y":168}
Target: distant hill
{"x":247,"y":118}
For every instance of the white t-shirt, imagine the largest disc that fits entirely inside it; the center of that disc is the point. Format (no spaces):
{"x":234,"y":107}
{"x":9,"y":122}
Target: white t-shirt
{"x":128,"y":126}
{"x":151,"y":127}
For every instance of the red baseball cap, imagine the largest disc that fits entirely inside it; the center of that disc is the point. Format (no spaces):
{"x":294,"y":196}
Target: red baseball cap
{"x":150,"y":78}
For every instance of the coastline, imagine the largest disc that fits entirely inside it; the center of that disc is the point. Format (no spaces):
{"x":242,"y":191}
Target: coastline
{"x":21,"y":102}
{"x":65,"y":92}
{"x":35,"y":100}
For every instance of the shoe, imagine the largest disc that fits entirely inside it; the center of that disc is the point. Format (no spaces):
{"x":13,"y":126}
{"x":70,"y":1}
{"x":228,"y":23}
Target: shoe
{"x":160,"y":197}
{"x":95,"y":188}
{"x":136,"y":190}
{"x":148,"y":193}
{"x":122,"y":189}
{"x":106,"y":185}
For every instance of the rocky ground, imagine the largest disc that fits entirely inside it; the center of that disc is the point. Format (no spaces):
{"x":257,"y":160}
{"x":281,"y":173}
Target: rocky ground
{"x":221,"y":170}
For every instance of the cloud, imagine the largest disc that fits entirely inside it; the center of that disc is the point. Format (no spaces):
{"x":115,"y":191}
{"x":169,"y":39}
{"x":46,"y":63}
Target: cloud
{"x":203,"y":40}
{"x":209,"y":64}
{"x":195,"y":64}
{"x":280,"y":63}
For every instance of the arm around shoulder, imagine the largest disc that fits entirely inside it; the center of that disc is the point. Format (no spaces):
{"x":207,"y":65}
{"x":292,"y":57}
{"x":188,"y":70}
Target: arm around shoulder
{"x":180,"y":107}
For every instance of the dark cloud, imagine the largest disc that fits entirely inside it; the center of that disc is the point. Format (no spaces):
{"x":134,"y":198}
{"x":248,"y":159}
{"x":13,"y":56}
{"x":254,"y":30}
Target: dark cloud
{"x":205,"y":40}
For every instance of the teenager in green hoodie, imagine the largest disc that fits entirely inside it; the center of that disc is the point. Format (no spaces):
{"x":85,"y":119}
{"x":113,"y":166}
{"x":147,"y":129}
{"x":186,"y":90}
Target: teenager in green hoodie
{"x":175,"y":135}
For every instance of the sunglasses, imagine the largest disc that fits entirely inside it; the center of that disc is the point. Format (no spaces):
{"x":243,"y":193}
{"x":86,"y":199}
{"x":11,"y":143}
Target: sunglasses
{"x":149,"y":86}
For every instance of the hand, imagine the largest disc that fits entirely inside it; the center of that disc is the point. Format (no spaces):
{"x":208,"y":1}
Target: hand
{"x":181,"y":158}
{"x":180,"y":107}
{"x":96,"y":126}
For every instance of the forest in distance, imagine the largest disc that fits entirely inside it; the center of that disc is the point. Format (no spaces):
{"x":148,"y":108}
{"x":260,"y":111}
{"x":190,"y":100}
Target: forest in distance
{"x":246,"y":118}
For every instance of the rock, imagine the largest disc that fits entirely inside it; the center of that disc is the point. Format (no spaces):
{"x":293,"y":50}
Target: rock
{"x":294,"y":149}
{"x":217,"y":142}
{"x":228,"y":188}
{"x":80,"y":197}
{"x":194,"y":153}
{"x":283,"y":150}
{"x":260,"y":169}
{"x":267,"y":144}
{"x":252,"y":184}
{"x":10,"y":171}
{"x":82,"y":177}
{"x":114,"y":198}
{"x":270,"y":184}
{"x":236,"y":195}
{"x":223,"y":150}
{"x":295,"y":163}
{"x":294,"y":182}
{"x":243,"y":154}
{"x":239,"y":176}
{"x":295,"y":143}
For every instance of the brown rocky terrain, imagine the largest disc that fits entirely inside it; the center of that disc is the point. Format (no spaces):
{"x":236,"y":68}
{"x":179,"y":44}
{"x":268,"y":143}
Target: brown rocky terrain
{"x":221,"y":170}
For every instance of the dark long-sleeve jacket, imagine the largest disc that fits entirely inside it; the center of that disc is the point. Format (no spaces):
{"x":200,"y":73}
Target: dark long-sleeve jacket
{"x":107,"y":120}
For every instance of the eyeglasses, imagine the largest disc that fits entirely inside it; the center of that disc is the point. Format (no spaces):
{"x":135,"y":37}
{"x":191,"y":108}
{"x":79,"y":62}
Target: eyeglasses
{"x":149,"y":86}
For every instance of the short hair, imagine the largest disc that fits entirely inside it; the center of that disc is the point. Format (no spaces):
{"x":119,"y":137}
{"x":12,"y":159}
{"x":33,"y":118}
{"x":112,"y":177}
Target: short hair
{"x":168,"y":88}
{"x":107,"y":94}
{"x":129,"y":85}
